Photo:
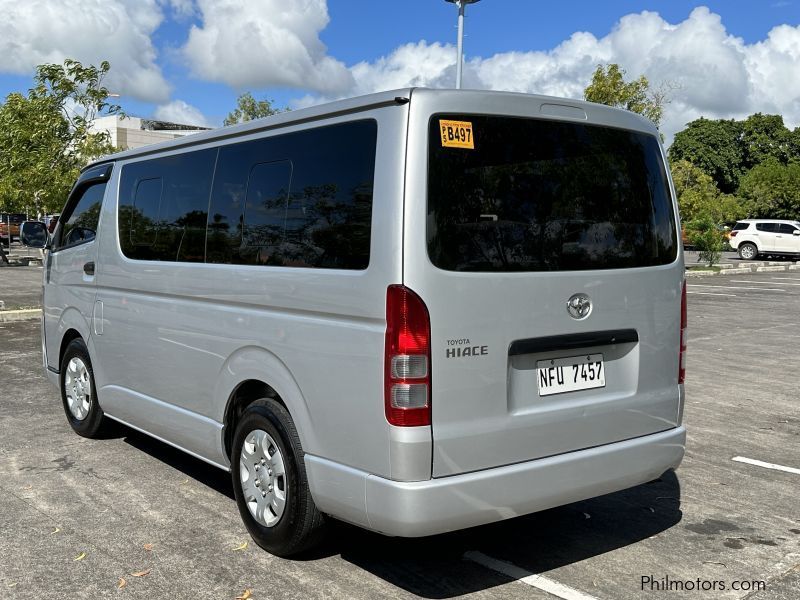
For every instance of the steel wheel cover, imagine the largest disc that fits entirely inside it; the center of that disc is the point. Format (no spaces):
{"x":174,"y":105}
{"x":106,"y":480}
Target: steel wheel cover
{"x":262,"y":477}
{"x":78,"y":388}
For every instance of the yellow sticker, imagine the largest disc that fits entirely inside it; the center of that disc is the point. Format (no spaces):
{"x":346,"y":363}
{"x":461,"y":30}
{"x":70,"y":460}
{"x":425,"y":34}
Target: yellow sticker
{"x":457,"y":134}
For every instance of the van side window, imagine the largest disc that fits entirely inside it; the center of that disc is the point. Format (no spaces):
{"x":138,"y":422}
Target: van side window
{"x":163,"y":207}
{"x":265,"y":210}
{"x":144,"y":213}
{"x":80,"y":225}
{"x":320,"y":178}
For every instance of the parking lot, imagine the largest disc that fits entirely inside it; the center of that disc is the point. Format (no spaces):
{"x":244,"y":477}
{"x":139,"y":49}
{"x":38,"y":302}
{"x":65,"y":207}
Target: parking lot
{"x":128,"y":516}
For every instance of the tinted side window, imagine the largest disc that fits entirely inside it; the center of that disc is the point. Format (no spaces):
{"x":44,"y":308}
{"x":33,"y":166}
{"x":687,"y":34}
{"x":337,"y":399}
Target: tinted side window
{"x":786,"y":228}
{"x":302,"y":199}
{"x":768,"y":227}
{"x":265,"y":211}
{"x":163,"y":207}
{"x":81,"y":224}
{"x":740,"y":226}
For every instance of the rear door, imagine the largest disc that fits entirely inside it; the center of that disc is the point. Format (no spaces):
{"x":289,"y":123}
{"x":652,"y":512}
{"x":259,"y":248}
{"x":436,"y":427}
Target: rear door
{"x":552,"y":275}
{"x":766,"y":237}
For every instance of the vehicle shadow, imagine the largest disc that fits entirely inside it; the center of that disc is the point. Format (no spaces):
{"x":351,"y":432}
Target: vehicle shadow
{"x":436,"y":567}
{"x":202,"y":472}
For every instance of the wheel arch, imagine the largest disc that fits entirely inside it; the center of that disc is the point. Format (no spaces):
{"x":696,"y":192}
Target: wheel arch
{"x":69,"y":335}
{"x":71,"y":325}
{"x":250,"y":374}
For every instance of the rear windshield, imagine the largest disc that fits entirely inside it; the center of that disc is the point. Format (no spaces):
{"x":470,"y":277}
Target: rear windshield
{"x":514,"y":194}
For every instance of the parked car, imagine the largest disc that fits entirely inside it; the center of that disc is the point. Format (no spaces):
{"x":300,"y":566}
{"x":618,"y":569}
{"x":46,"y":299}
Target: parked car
{"x":752,"y":238}
{"x":12,"y":221}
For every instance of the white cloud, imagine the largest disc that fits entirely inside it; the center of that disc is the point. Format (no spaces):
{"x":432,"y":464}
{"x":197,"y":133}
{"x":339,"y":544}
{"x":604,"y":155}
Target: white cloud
{"x":716,"y":74}
{"x":181,"y":112}
{"x":41,"y":31}
{"x":416,"y":64}
{"x":268,"y":43}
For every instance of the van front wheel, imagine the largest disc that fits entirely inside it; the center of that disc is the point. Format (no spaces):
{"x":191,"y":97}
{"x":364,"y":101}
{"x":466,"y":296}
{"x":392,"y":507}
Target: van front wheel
{"x":269,"y":481}
{"x":78,"y":393}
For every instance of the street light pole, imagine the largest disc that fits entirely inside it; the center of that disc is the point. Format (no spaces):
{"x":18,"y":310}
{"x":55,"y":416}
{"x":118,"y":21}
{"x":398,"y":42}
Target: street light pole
{"x":461,"y":4}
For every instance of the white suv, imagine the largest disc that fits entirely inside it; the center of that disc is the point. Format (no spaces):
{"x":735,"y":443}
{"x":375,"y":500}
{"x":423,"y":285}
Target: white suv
{"x":751,"y":237}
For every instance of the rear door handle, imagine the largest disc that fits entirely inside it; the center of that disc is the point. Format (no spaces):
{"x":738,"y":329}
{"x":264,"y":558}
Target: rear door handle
{"x":88,"y":268}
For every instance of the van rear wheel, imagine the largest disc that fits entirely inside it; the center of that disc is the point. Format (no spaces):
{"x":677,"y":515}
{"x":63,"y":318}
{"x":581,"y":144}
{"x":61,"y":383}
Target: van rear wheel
{"x":269,"y":481}
{"x":78,"y":392}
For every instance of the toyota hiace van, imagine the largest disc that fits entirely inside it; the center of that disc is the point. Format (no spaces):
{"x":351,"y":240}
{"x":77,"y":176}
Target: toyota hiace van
{"x":415,"y":311}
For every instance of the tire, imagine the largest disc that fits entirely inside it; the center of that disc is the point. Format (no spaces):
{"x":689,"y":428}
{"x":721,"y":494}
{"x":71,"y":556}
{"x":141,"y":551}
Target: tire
{"x":276,"y":507}
{"x":78,"y":391}
{"x":748,"y":251}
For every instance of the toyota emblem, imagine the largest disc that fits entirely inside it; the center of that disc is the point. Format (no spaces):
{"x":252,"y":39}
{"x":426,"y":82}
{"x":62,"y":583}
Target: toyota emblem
{"x":579,"y":306}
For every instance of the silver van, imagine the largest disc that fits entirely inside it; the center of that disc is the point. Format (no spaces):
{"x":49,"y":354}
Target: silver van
{"x":415,"y":311}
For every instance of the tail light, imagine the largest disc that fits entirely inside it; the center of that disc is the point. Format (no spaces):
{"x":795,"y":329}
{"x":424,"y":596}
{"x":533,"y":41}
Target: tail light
{"x":682,"y":354}
{"x":407,"y":378}
{"x":733,"y":233}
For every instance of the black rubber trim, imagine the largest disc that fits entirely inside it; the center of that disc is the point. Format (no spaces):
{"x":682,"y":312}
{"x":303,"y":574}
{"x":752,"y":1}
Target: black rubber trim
{"x":53,"y":370}
{"x":572,"y":341}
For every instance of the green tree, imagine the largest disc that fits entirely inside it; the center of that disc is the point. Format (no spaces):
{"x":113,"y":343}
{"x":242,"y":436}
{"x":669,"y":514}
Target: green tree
{"x":794,"y":144}
{"x":36,"y":167}
{"x":46,"y":136}
{"x":81,"y":96}
{"x":248,"y":108}
{"x":765,"y":137}
{"x":715,"y":147}
{"x":772,"y":190}
{"x":699,"y":197}
{"x":707,"y":239}
{"x":609,"y":87}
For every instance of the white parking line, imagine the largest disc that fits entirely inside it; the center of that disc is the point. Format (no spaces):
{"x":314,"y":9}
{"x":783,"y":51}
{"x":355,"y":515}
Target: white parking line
{"x":766,"y":465}
{"x":786,"y":278}
{"x":733,"y":287}
{"x":532,"y":579}
{"x":711,"y":294}
{"x":761,"y":282}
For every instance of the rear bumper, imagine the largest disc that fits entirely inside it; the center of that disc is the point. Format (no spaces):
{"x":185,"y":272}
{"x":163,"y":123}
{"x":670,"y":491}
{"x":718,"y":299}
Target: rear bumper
{"x":413,"y":509}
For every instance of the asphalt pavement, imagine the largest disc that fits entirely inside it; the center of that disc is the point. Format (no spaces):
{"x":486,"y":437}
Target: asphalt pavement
{"x":20,"y":287}
{"x":128,"y":516}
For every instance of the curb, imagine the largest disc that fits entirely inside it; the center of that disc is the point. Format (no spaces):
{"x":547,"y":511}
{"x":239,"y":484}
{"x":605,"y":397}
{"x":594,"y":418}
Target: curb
{"x":7,"y":316}
{"x":764,"y":267}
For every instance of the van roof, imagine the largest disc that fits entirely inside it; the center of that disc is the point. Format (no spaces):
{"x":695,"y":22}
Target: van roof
{"x":598,"y":112}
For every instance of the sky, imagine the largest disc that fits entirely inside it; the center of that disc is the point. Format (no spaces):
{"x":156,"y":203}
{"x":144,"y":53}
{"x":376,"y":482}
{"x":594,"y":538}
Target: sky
{"x":188,"y":60}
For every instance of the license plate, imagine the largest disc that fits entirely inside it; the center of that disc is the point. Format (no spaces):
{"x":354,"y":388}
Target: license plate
{"x":570,"y":374}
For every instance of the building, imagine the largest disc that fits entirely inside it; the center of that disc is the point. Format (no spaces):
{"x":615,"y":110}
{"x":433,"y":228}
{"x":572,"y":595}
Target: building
{"x":128,"y":133}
